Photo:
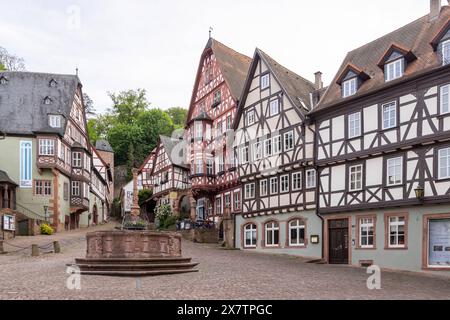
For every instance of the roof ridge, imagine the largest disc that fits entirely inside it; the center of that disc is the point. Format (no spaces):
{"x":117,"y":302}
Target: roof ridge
{"x":40,"y":73}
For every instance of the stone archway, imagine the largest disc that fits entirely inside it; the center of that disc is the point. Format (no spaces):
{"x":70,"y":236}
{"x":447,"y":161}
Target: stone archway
{"x":184,"y":206}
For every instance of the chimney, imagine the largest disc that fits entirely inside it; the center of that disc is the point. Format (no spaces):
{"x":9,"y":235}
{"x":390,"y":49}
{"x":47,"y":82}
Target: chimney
{"x":435,"y":9}
{"x":318,"y":82}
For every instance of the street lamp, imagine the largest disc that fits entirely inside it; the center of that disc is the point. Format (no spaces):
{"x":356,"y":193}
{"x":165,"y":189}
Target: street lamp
{"x":45,"y":212}
{"x":420,"y":192}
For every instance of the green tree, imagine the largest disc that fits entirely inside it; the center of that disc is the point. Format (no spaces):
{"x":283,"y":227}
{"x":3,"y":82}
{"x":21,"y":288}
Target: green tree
{"x":127,"y":105}
{"x":10,"y":61}
{"x":178,"y":116}
{"x":92,"y":132}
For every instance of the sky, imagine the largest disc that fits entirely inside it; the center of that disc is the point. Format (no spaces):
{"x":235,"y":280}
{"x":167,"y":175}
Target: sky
{"x":156,"y":45}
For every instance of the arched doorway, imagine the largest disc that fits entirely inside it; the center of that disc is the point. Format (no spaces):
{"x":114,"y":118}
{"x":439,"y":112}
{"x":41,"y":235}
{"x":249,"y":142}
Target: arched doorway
{"x":185,"y":207}
{"x":95,"y":214}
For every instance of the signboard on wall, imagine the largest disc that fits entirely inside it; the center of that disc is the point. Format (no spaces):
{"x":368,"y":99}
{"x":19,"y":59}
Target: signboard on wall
{"x":439,"y":250}
{"x":9,"y":223}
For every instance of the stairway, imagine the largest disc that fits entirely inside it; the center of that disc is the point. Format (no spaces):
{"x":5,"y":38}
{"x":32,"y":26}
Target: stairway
{"x":134,"y":267}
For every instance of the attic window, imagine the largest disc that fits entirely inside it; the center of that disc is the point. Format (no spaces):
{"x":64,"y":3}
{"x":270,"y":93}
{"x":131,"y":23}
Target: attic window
{"x":351,"y":80}
{"x":54,"y":121}
{"x":48,"y":100}
{"x":349,"y":87}
{"x":394,"y":70}
{"x":446,"y":52}
{"x":3,"y":80}
{"x":53,"y":83}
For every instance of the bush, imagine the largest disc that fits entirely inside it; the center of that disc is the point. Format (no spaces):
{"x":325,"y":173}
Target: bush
{"x":46,"y":229}
{"x":169,"y":222}
{"x":165,"y":216}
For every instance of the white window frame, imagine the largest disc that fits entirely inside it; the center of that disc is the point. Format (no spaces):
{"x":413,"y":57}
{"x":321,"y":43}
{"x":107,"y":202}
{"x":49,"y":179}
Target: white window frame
{"x":274,"y":107}
{"x":198,"y":128}
{"x":26,"y":165}
{"x":267,"y":145}
{"x":394,"y":69}
{"x":392,"y":121}
{"x":199,"y":166}
{"x":237,"y":200}
{"x":296,"y":181}
{"x":46,"y":147}
{"x":289,"y":140}
{"x":354,"y":175}
{"x":396,"y":224}
{"x":276,"y":145}
{"x":250,"y":191}
{"x":244,"y":155}
{"x":367,"y":224}
{"x":75,"y":186}
{"x":349,"y":87}
{"x":354,"y":125}
{"x":265,"y":81}
{"x":272,"y":227}
{"x":299,"y":225}
{"x":251,"y":229}
{"x":395,"y":164}
{"x":263,"y":188}
{"x":444,"y":99}
{"x":76,"y":159}
{"x":250,"y":117}
{"x":209,"y":166}
{"x":257,"y":151}
{"x":273,"y":186}
{"x":441,"y":157}
{"x":284,"y":183}
{"x":445,"y":45}
{"x":219,"y":207}
{"x":311,"y":178}
{"x":54,"y":121}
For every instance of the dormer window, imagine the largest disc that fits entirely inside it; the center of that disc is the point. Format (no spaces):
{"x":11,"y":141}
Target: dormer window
{"x":53,"y":83}
{"x":48,"y":100}
{"x":446,"y":52}
{"x":3,"y":80}
{"x":349,"y":87}
{"x":394,"y":70}
{"x":54,"y":121}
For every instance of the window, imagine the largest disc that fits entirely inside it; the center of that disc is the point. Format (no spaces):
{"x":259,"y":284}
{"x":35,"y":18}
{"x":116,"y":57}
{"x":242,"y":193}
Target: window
{"x":289,"y":141}
{"x":229,"y":122}
{"x":276,"y":144}
{"x":438,"y":242}
{"x":265,"y":81}
{"x":349,"y":87}
{"x":199,"y":166}
{"x":257,"y":151}
{"x":221,"y":163}
{"x":272,"y":234}
{"x":54,"y":121}
{"x":244,"y":155}
{"x":198,"y":130}
{"x":263,"y":188}
{"x":208,"y":132}
{"x":66,"y":191}
{"x":273,"y":185}
{"x":446,"y":52}
{"x":62,"y":152}
{"x":355,"y":179}
{"x":268,"y":147}
{"x":310,"y":179}
{"x":444,"y":163}
{"x":46,"y":147}
{"x":394,"y":70}
{"x":389,"y":115}
{"x":76,"y":159}
{"x":47,"y":100}
{"x":209,"y":167}
{"x":394,"y":171}
{"x":284,"y":183}
{"x":227,"y":200}
{"x":250,"y":236}
{"x":9,"y":222}
{"x":217,"y":97}
{"x":444,"y":99}
{"x":354,"y":125}
{"x":366,"y":232}
{"x":75,"y":188}
{"x":237,"y":200}
{"x":43,"y":188}
{"x":250,"y":117}
{"x":249,"y":191}
{"x":296,"y":181}
{"x":26,"y":164}
{"x":87,"y":162}
{"x":397,"y":233}
{"x":86,"y":190}
{"x":296,"y":233}
{"x":274,"y":107}
{"x":219,"y":129}
{"x":3,"y":80}
{"x":219,"y":205}
{"x":201,"y":209}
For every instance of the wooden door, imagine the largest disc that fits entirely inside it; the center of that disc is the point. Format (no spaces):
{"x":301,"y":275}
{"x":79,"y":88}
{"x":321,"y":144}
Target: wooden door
{"x":338,"y":241}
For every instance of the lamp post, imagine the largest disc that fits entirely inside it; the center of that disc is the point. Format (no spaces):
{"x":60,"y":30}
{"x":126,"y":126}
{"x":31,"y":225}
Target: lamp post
{"x":420,"y":192}
{"x":45,"y":212}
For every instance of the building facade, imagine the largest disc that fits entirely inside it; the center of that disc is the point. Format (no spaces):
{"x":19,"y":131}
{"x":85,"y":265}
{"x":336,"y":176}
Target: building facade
{"x":382,"y":150}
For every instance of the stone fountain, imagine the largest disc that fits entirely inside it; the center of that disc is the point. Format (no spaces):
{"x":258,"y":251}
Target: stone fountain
{"x":134,"y":250}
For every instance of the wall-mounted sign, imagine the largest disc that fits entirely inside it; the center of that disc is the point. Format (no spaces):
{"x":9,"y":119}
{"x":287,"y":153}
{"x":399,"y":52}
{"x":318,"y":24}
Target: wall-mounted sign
{"x":173,"y":196}
{"x":314,"y":239}
{"x":9,"y":222}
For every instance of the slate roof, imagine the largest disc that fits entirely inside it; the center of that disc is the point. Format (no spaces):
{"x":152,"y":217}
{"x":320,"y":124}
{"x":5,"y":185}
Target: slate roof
{"x":169,"y":145}
{"x":415,"y":37}
{"x":103,"y":145}
{"x":4,"y":178}
{"x":22,"y":108}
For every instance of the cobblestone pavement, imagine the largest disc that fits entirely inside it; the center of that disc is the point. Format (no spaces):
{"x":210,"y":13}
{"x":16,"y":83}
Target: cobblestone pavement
{"x":224,"y":274}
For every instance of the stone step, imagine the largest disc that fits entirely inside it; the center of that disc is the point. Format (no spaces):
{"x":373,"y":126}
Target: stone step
{"x":136,"y":273}
{"x":135,"y":267}
{"x":132,"y":260}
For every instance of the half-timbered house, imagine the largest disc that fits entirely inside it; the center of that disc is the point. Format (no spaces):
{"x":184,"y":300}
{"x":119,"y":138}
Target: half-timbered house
{"x":275,"y":152}
{"x":382,"y":150}
{"x":213,"y":176}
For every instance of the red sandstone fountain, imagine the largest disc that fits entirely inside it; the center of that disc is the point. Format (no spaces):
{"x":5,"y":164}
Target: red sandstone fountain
{"x":134,"y":250}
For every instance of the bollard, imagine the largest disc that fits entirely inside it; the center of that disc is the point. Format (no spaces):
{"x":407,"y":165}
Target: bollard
{"x":34,"y":250}
{"x":1,"y":247}
{"x":56,"y":247}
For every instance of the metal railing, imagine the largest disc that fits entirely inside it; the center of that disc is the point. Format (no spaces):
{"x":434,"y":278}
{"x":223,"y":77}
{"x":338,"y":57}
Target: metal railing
{"x":29,"y":213}
{"x":188,"y":224}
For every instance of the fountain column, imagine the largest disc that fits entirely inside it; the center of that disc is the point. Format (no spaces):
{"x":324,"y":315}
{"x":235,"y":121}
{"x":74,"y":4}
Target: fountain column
{"x":135,"y":209}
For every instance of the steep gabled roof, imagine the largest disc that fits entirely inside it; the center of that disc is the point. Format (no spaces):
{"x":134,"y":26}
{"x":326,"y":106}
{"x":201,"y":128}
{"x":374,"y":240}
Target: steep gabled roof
{"x":297,"y":88}
{"x":103,"y":145}
{"x":233,"y":65}
{"x":22,"y":105}
{"x":4,"y":178}
{"x":170,"y":145}
{"x":415,"y":39}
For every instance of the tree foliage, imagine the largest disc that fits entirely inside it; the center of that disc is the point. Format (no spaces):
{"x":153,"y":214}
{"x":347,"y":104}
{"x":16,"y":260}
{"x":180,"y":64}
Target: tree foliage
{"x":10,"y":61}
{"x":178,"y":116}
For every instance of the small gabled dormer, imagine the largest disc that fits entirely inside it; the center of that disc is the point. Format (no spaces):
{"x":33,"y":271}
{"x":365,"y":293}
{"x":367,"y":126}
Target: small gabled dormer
{"x":351,"y":80}
{"x":441,"y":44}
{"x":3,"y":80}
{"x":394,"y":62}
{"x":48,"y":100}
{"x":53,"y":83}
